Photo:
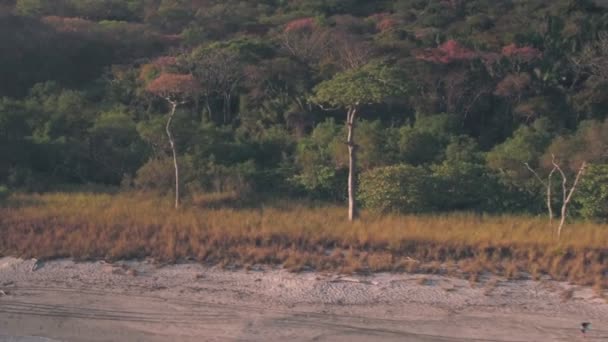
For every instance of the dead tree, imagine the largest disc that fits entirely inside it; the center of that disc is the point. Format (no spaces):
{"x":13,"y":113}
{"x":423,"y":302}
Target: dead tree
{"x":176,"y":89}
{"x":547,"y":186}
{"x":567,"y":193}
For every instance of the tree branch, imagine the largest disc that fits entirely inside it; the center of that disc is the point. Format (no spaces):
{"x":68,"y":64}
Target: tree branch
{"x":327,"y":109}
{"x":564,"y":178}
{"x":581,"y":170}
{"x":536,"y":174}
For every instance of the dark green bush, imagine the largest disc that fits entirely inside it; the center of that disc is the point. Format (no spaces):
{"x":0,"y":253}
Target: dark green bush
{"x":159,"y":174}
{"x":468,"y":186}
{"x":401,"y":188}
{"x":592,"y":196}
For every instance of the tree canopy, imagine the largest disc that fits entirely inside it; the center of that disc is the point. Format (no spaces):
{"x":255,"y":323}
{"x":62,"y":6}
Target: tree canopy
{"x":370,"y":84}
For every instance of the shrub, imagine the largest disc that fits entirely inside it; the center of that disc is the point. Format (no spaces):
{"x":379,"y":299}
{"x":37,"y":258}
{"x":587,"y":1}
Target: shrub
{"x":464,"y":185}
{"x":159,"y":174}
{"x":425,"y":141}
{"x":400,"y":188}
{"x":323,"y":182}
{"x":238,"y":178}
{"x":463,"y":181}
{"x":592,"y":196}
{"x":320,"y":171}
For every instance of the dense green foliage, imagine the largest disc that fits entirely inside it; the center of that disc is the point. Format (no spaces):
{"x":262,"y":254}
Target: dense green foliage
{"x":593,"y":197}
{"x":398,"y":188}
{"x":456,"y":94}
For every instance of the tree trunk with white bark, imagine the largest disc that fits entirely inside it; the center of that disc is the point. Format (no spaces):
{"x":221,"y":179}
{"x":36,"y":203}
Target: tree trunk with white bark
{"x":173,"y":151}
{"x":353,"y":212}
{"x":547,"y":186}
{"x":567,"y":193}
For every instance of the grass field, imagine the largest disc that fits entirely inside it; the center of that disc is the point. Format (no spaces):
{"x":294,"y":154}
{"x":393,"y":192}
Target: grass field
{"x":299,"y":236}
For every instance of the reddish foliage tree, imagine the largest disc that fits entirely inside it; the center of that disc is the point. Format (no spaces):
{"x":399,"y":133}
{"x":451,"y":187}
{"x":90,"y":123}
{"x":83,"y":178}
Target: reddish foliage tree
{"x":386,"y":24}
{"x":513,"y":85}
{"x":164,"y":61}
{"x":302,"y":24}
{"x":491,"y":61}
{"x":448,"y":52}
{"x":376,"y":17}
{"x":158,"y":66}
{"x":175,"y":89}
{"x":525,"y":54}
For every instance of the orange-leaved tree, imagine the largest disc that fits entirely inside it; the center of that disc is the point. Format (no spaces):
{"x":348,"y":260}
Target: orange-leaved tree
{"x":176,"y":89}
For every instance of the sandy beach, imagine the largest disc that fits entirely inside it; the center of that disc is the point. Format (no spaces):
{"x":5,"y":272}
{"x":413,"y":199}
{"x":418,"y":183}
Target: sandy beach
{"x":142,"y":301}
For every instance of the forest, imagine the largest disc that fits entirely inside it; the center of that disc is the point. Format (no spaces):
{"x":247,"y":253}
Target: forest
{"x":462,"y":105}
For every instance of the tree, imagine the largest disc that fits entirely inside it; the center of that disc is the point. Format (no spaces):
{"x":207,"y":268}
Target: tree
{"x":595,"y":58}
{"x":352,"y":90}
{"x":567,"y":193}
{"x":220,"y":73}
{"x":593,"y":193}
{"x":349,"y":50}
{"x":570,"y":156}
{"x":175,"y":89}
{"x":548,"y":186}
{"x":305,"y":40}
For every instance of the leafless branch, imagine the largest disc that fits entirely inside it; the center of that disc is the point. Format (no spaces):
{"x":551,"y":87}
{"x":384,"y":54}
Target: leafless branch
{"x":547,"y":186}
{"x":567,"y":193}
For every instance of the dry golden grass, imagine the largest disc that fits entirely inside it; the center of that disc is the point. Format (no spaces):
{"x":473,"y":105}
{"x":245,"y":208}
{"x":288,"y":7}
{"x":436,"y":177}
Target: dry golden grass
{"x":299,"y":236}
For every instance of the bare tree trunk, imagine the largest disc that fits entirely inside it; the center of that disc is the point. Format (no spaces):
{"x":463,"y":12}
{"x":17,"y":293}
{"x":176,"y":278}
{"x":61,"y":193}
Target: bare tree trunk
{"x":567,"y":194}
{"x":209,"y":110}
{"x":353,"y":213}
{"x":173,"y":150}
{"x":549,"y":206}
{"x":562,"y":221}
{"x":226,"y":108}
{"x":547,"y":185}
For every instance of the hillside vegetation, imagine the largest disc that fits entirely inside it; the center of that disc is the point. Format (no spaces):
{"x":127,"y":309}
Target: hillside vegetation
{"x":433,"y":107}
{"x":479,"y":88}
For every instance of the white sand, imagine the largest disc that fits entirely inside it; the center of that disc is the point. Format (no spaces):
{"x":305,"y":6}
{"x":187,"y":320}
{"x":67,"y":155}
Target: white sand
{"x":141,"y":301}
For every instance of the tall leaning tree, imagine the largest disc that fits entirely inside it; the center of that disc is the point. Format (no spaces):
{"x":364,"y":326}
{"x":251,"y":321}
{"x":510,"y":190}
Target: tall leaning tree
{"x":176,"y":89}
{"x":351,"y":91}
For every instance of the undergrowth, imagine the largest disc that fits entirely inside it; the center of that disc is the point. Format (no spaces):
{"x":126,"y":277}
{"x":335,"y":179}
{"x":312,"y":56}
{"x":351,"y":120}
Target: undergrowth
{"x":298,"y":236}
